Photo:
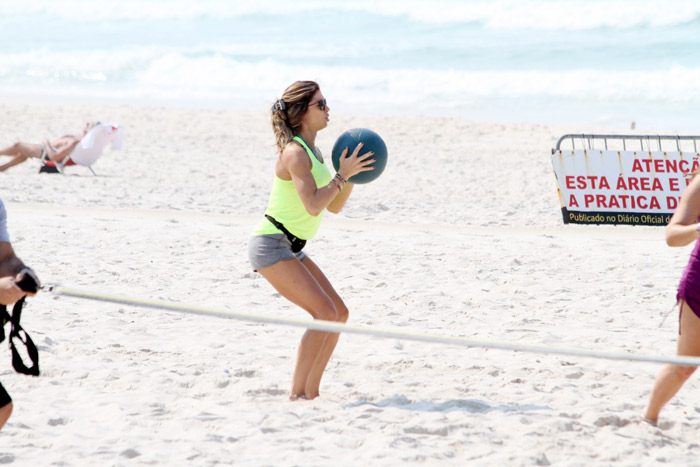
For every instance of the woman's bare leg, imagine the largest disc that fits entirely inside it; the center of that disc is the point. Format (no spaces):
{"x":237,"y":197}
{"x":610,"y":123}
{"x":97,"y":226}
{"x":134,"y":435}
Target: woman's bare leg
{"x":21,"y":152}
{"x":313,"y":381}
{"x":672,"y":377}
{"x":12,"y":162}
{"x":297,"y":284}
{"x":20,"y":148}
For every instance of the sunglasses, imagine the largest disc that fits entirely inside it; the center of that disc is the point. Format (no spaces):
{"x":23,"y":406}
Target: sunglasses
{"x":321,"y":104}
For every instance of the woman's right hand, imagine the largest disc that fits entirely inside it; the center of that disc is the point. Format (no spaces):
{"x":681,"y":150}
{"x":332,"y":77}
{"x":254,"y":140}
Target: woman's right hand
{"x":353,"y":164}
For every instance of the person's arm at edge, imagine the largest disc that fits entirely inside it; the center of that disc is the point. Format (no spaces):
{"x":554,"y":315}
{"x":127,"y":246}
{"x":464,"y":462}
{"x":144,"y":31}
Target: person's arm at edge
{"x":10,"y":268}
{"x":682,"y":228}
{"x":10,"y":264}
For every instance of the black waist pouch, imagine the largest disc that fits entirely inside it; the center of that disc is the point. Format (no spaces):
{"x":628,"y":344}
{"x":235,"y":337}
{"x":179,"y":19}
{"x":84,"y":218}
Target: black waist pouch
{"x":297,"y":243}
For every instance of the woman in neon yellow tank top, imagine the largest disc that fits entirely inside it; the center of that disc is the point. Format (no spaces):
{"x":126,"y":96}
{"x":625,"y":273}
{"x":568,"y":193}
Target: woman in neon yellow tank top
{"x":302,"y":190}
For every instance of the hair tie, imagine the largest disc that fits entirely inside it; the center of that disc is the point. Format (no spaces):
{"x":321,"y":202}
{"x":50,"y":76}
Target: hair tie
{"x":279,"y":105}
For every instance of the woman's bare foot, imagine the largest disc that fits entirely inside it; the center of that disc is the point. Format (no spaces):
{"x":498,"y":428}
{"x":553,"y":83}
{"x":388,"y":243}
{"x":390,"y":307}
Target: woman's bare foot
{"x":648,"y":421}
{"x":296,"y":397}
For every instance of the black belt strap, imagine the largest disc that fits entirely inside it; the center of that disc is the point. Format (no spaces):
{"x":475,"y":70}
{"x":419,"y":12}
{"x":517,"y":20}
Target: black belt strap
{"x":16,"y":332}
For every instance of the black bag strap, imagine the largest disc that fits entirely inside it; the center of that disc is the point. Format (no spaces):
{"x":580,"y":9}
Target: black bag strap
{"x":4,"y":318}
{"x":17,"y":332}
{"x":280,"y":226}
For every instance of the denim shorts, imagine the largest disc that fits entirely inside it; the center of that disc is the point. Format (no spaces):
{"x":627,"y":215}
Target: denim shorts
{"x":266,"y":250}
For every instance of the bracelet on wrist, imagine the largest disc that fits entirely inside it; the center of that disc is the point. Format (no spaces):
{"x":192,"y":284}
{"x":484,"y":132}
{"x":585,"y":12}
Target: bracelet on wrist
{"x":335,"y":182}
{"x":341,"y":178}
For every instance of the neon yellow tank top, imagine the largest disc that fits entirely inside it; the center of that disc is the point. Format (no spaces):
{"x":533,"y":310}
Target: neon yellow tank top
{"x":286,"y":206}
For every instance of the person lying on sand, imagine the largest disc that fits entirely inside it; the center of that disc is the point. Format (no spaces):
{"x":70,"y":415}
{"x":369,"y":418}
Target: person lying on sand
{"x":55,"y":150}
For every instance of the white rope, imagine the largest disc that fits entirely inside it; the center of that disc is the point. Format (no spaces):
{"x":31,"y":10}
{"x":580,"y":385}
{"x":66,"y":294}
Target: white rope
{"x":332,"y":326}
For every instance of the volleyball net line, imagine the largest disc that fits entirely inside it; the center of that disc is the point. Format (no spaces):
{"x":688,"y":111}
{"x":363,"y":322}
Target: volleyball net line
{"x":332,"y":326}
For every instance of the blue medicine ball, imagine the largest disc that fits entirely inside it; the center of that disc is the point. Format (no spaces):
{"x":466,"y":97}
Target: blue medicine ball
{"x":372,"y":142}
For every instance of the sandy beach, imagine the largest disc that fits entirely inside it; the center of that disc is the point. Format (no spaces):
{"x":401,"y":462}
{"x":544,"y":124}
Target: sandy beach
{"x":462,"y":235}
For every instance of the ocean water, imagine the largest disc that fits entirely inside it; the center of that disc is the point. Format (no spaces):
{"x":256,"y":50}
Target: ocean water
{"x":599,"y":62}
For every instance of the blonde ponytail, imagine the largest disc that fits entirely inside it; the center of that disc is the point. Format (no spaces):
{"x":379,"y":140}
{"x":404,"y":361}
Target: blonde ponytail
{"x":288,"y":111}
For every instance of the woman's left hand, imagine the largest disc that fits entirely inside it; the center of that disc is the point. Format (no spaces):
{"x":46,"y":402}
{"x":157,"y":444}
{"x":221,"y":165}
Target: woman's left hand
{"x":354,"y":163}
